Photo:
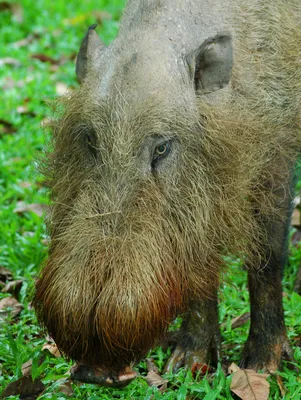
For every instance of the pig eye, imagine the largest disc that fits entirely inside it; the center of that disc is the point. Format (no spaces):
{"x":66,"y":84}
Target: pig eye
{"x":160,"y":152}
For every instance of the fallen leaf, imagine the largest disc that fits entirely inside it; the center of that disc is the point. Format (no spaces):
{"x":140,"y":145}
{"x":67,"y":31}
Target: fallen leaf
{"x":151,"y":366}
{"x":65,"y":387}
{"x":248,"y":384}
{"x":6,"y":127}
{"x":281,"y":385}
{"x":9,"y":83}
{"x":100,"y":16}
{"x":25,"y":111}
{"x":13,"y":287}
{"x":296,"y":218}
{"x":25,"y":185}
{"x":28,"y":234}
{"x":52,"y":348}
{"x":26,"y":41}
{"x":10,"y":61}
{"x":240,"y":320}
{"x":296,"y":237}
{"x":154,"y":379}
{"x":17,"y":12}
{"x":24,"y":387}
{"x":26,"y":368}
{"x":44,"y":58}
{"x":233,"y":368}
{"x":36,"y":208}
{"x":5,"y":5}
{"x":5,"y":274}
{"x":61,"y":88}
{"x":9,"y":306}
{"x":17,"y":160}
{"x":15,"y":8}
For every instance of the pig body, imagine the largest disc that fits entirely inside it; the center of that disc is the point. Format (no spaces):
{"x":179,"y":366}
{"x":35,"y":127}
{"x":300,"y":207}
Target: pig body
{"x":177,"y":149}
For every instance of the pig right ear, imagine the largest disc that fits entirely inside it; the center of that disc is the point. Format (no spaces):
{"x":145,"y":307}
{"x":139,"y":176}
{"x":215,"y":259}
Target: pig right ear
{"x":211,"y":64}
{"x":91,"y":44}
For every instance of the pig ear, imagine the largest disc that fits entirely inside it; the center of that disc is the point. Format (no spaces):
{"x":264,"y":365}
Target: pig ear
{"x":211,"y":64}
{"x":90,"y":44}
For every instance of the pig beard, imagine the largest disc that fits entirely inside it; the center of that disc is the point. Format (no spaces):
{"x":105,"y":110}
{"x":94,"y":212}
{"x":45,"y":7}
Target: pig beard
{"x":107,"y":299}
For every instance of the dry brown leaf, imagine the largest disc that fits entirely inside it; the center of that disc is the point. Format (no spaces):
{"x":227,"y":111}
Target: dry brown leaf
{"x":248,"y":384}
{"x":26,"y":41}
{"x":24,"y":207}
{"x":61,"y":88}
{"x":52,"y":348}
{"x":13,"y":287}
{"x":151,"y":366}
{"x":154,"y":379}
{"x":240,"y":320}
{"x":5,"y":274}
{"x":44,"y":58}
{"x":17,"y":11}
{"x":281,"y":385}
{"x":101,"y":16}
{"x":296,"y":218}
{"x":15,"y":8}
{"x":24,"y":387}
{"x":25,"y":185}
{"x":65,"y":387}
{"x":25,"y":111}
{"x":6,"y":127}
{"x":10,"y":306}
{"x":296,"y":237}
{"x":5,"y":5}
{"x":10,"y":61}
{"x":26,"y":368}
{"x":9,"y":83}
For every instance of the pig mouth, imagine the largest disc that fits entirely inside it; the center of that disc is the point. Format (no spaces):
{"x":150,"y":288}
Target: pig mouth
{"x":102,"y":376}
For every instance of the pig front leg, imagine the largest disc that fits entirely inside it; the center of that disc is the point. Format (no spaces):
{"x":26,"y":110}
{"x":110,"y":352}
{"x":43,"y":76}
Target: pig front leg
{"x":268,"y":344}
{"x":198,"y":340}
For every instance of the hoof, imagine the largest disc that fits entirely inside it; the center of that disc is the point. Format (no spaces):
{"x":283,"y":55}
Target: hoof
{"x":268,"y":357}
{"x":195,"y":361}
{"x":102,"y":376}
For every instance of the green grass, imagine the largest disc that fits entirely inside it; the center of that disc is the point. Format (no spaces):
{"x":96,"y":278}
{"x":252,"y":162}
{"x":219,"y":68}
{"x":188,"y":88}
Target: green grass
{"x":59,"y":28}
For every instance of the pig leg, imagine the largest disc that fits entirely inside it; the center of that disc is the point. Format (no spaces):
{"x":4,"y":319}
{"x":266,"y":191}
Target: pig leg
{"x":267,"y":343}
{"x":198,"y":341}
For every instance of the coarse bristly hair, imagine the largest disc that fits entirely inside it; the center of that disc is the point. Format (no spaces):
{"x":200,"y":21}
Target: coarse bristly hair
{"x":127,"y":252}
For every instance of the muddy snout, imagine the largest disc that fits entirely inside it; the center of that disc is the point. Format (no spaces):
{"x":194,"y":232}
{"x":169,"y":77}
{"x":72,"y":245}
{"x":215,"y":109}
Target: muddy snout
{"x":102,"y":376}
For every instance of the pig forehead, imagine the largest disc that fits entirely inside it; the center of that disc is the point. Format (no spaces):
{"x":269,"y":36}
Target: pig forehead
{"x":135,"y":74}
